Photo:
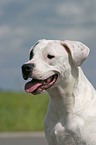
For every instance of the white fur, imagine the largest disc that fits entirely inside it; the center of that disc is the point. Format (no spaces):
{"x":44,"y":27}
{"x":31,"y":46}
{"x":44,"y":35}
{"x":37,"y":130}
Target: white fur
{"x":71,"y":115}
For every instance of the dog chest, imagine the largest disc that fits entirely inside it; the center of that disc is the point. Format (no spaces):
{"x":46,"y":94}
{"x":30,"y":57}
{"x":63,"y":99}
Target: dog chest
{"x":57,"y":134}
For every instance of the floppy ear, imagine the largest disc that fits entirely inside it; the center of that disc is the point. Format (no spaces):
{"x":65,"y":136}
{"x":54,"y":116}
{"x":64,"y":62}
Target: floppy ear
{"x":78,"y":51}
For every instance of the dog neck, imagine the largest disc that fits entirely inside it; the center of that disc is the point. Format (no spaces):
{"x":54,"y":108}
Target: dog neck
{"x":67,"y":94}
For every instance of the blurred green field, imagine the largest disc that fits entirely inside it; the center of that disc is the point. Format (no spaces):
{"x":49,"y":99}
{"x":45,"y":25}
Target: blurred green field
{"x":22,"y":112}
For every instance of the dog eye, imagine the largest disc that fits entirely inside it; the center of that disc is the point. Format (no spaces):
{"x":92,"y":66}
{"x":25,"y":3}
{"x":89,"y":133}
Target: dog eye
{"x":50,"y":56}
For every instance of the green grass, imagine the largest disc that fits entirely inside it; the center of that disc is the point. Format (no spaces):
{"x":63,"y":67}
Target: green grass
{"x":22,"y":112}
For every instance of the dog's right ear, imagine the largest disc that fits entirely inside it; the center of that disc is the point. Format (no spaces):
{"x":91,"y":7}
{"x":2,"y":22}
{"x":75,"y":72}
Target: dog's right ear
{"x":77,"y":50}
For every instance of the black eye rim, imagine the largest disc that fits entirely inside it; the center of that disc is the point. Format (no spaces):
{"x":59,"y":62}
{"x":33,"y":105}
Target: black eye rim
{"x":31,"y":55}
{"x":49,"y":56}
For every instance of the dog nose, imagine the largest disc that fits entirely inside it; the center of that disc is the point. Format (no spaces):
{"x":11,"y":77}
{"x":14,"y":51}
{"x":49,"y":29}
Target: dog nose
{"x":27,"y":70}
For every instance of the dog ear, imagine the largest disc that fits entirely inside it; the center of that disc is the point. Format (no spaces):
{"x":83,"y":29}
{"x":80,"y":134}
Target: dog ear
{"x":77,"y":50}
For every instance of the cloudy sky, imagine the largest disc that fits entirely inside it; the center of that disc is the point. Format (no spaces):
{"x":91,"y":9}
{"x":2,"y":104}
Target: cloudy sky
{"x":23,"y":22}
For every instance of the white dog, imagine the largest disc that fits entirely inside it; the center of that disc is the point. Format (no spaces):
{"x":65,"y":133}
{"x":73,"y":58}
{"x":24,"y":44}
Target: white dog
{"x":55,"y":66}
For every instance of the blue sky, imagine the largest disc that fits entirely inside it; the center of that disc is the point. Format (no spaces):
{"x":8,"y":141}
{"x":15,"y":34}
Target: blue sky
{"x":23,"y":22}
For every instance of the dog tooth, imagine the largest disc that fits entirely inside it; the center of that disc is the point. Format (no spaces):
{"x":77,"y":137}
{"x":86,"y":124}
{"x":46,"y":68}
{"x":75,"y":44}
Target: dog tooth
{"x":49,"y":80}
{"x":43,"y":83}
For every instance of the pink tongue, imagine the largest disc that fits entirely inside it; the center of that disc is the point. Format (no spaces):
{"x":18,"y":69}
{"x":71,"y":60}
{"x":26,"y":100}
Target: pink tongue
{"x":31,"y":86}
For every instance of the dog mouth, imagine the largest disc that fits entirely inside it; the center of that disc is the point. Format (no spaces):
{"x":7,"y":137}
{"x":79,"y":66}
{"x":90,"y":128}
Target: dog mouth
{"x":36,"y":86}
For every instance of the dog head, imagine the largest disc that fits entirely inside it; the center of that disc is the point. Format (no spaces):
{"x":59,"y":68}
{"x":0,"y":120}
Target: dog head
{"x":51,"y":60}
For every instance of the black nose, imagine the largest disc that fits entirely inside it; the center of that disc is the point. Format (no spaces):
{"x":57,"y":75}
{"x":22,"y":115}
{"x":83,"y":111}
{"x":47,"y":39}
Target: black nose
{"x":27,"y":70}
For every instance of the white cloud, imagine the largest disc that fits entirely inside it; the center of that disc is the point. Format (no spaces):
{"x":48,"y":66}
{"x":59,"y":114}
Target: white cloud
{"x":4,"y":3}
{"x":80,"y":11}
{"x":11,"y":38}
{"x":66,"y":9}
{"x":4,"y":29}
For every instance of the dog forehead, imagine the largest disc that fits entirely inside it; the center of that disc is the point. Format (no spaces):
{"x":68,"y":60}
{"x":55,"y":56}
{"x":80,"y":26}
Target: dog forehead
{"x":47,"y":45}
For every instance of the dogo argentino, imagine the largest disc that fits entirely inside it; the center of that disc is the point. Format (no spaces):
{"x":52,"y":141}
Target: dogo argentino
{"x":54,"y":66}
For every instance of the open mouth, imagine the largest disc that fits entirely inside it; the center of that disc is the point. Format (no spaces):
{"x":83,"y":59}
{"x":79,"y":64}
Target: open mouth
{"x":38,"y":86}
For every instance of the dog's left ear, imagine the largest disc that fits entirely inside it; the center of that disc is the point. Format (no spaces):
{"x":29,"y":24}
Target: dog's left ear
{"x":77,"y":50}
